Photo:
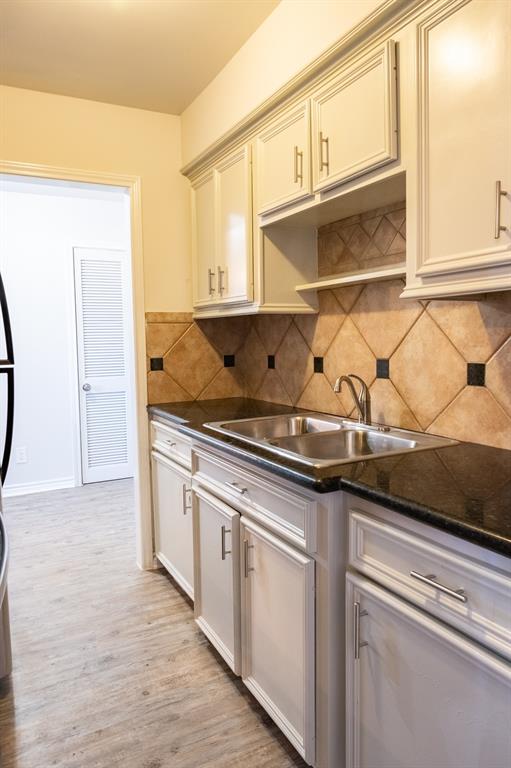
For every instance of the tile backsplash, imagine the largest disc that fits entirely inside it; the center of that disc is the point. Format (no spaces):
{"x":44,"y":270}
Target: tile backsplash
{"x":438,"y":366}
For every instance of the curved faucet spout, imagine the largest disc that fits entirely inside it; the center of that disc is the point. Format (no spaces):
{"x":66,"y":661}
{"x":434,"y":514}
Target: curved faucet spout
{"x":361,"y":400}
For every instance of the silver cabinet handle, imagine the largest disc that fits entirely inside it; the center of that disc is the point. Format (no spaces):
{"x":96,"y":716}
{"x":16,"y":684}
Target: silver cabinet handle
{"x":357,"y":645}
{"x":458,"y":594}
{"x":323,"y":140}
{"x":171,"y":443}
{"x":233,"y":485}
{"x":298,"y":166}
{"x":86,"y":387}
{"x":246,"y":547}
{"x":184,"y":491}
{"x":224,"y":550}
{"x":211,"y":275}
{"x":499,"y":194}
{"x":221,"y":286}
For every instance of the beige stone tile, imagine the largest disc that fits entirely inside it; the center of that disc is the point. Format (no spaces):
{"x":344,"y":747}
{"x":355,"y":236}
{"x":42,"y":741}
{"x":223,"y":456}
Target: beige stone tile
{"x":371,"y":225}
{"x":384,"y":235}
{"x":383,"y":318}
{"x":162,"y":389}
{"x":397,"y":246}
{"x":347,"y":295}
{"x":349,"y":353}
{"x":226,"y":334}
{"x":319,"y":330}
{"x":388,"y":407}
{"x":498,"y":376}
{"x":160,"y":337}
{"x":427,"y":370}
{"x":252,"y":360}
{"x":359,"y":241}
{"x":271,"y":330}
{"x":397,"y":218}
{"x":318,"y":395}
{"x":273,"y":390}
{"x":168,"y":317}
{"x":475,"y":416}
{"x":294,"y":363}
{"x":476,"y":328}
{"x":334,"y":256}
{"x":227,"y":383}
{"x":192,"y":362}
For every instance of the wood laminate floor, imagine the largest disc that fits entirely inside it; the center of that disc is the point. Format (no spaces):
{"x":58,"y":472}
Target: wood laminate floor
{"x":109,"y":667}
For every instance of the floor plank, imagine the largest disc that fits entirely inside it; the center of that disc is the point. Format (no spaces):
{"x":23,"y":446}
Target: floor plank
{"x":109,"y":667}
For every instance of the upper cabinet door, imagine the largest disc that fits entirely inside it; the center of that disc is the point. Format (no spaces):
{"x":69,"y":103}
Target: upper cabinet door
{"x":354,"y":120}
{"x":234,"y":227}
{"x":465,"y":141}
{"x":283,"y":160}
{"x":203,"y":240}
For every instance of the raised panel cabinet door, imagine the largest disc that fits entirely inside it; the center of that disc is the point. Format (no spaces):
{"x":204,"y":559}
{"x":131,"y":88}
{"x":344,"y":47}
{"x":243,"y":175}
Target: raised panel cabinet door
{"x":217,"y":575}
{"x":234,"y":227}
{"x":283,"y":160}
{"x":465,"y":145}
{"x":354,"y":120}
{"x":204,"y":241}
{"x":418,"y":693}
{"x":172,"y":517}
{"x":277,"y":598}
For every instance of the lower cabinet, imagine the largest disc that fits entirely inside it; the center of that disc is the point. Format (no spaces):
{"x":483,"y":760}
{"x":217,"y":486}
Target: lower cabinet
{"x":277,"y":605}
{"x":172,"y":515}
{"x":217,"y":582}
{"x":418,"y":693}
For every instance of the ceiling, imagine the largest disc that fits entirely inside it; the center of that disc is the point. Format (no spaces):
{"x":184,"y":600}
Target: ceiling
{"x":151,"y":54}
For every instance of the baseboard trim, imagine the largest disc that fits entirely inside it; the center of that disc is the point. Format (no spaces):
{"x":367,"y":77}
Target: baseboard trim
{"x":50,"y":485}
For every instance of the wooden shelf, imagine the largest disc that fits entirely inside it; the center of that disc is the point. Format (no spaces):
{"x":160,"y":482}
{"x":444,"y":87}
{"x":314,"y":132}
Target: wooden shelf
{"x":352,"y":278}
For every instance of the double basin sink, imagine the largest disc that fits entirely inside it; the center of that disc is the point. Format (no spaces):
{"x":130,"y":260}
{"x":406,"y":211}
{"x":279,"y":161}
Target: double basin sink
{"x":320,"y":440}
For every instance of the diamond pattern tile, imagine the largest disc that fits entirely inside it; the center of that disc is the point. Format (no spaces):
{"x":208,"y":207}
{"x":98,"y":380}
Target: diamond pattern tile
{"x":192,"y":362}
{"x":319,"y":330}
{"x":498,"y":376}
{"x":349,"y":353}
{"x":457,"y":419}
{"x":295,"y":363}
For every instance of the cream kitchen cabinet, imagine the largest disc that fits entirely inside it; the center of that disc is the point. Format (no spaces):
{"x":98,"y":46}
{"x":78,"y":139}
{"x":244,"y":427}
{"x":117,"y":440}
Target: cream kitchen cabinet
{"x":222,"y":232}
{"x":460,"y":230}
{"x":282,"y":160}
{"x":418,"y":693}
{"x":217,"y":580}
{"x":277,"y":606}
{"x":354,"y":119}
{"x":172,"y":519}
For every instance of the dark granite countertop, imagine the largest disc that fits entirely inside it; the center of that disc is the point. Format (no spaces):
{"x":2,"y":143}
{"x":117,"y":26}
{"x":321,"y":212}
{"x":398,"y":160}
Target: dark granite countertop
{"x":464,"y":489}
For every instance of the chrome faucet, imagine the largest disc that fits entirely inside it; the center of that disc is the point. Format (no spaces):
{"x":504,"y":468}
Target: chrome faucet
{"x":361,"y":400}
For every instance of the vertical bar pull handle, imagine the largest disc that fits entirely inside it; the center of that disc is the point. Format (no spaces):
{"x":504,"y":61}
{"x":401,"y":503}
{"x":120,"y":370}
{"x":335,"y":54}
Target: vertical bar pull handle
{"x":184,"y":491}
{"x":298,"y":157}
{"x":224,"y":550}
{"x":221,"y":286}
{"x":211,"y":275}
{"x":499,"y":194}
{"x":246,"y":547}
{"x":324,"y":163}
{"x":357,"y":613}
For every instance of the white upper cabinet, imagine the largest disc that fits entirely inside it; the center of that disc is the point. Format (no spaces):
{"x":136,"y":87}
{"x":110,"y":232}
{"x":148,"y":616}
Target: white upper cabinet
{"x":283,"y":160}
{"x":203,"y":235}
{"x":354,"y":119}
{"x":462,"y":182}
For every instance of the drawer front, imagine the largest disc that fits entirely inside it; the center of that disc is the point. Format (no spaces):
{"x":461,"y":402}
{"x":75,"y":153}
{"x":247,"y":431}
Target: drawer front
{"x":273,"y":504}
{"x":471,"y":596}
{"x":167,"y":440}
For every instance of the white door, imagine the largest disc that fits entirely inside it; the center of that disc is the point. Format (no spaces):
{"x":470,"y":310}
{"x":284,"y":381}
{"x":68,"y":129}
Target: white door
{"x":418,"y":693}
{"x":277,"y":598}
{"x":173,"y":524}
{"x":103,"y":321}
{"x":217,"y":575}
{"x":204,"y":241}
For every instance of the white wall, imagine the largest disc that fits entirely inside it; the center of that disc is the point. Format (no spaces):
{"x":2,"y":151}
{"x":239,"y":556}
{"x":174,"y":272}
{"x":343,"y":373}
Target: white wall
{"x":290,"y":38}
{"x":40,"y":223}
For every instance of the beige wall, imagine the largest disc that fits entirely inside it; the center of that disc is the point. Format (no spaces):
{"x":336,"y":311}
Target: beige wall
{"x":46,"y":129}
{"x":292,"y":36}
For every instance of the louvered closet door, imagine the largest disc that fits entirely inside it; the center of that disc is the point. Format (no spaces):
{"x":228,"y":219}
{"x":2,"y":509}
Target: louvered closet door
{"x":104,"y":355}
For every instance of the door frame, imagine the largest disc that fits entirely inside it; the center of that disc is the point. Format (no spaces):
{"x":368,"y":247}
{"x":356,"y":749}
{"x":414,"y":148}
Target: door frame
{"x":143,"y":517}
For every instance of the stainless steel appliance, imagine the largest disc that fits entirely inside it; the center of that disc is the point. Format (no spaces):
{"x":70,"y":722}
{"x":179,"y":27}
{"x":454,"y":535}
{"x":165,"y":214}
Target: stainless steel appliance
{"x":6,"y":429}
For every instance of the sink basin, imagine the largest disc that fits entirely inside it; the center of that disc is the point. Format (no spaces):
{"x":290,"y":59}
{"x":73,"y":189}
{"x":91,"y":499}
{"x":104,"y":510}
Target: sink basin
{"x":320,"y":440}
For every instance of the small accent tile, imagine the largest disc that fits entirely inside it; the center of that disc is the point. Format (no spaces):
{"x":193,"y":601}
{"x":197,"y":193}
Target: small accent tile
{"x":229,"y":361}
{"x":157,"y":363}
{"x":271,"y":361}
{"x":318,"y":365}
{"x":383,"y":369}
{"x":476,"y":374}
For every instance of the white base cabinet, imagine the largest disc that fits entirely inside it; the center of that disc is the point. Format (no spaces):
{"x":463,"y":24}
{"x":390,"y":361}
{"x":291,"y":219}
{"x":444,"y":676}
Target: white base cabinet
{"x":277,"y":599}
{"x":172,"y":516}
{"x":217,"y":583}
{"x":420,"y":695}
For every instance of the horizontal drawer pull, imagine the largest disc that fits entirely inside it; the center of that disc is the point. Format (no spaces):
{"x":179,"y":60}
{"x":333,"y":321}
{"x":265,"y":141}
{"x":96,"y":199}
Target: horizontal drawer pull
{"x":457,"y":594}
{"x":233,"y":485}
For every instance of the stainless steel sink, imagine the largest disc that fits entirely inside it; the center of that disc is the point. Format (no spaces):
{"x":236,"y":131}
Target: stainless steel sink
{"x":321,"y":440}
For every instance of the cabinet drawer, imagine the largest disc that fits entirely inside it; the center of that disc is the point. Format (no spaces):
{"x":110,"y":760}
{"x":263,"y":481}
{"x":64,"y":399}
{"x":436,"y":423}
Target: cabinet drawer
{"x":171,"y":443}
{"x":471,"y":596}
{"x":275,"y":505}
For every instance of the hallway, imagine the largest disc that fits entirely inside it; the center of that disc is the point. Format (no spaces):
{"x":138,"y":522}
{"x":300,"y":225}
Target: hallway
{"x":109,"y":668}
